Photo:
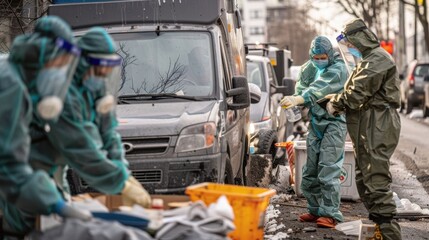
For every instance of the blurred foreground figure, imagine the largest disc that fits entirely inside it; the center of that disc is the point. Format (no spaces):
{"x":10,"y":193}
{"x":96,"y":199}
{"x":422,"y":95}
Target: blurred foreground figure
{"x":85,"y":137}
{"x":370,"y":99}
{"x":44,"y":62}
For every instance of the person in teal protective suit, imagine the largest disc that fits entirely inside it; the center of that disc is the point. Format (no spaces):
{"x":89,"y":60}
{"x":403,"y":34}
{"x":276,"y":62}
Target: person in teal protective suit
{"x":84,"y":137}
{"x":325,"y":73}
{"x":45,"y":60}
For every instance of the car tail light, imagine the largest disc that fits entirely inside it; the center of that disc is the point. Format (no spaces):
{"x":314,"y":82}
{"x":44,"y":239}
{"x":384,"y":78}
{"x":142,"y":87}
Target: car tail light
{"x":265,"y":118}
{"x":411,"y":80}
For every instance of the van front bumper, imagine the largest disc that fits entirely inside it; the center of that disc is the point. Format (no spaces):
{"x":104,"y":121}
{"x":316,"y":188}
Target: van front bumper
{"x":173,"y":175}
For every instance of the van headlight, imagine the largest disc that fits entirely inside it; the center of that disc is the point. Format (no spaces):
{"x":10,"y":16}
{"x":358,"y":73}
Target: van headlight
{"x":252,"y":128}
{"x":256,"y":126}
{"x":196,"y":137}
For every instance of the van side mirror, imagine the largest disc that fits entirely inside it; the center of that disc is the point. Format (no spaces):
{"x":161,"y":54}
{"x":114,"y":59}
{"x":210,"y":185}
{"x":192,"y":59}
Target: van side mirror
{"x":289,"y":84}
{"x":255,"y":93}
{"x":239,"y":93}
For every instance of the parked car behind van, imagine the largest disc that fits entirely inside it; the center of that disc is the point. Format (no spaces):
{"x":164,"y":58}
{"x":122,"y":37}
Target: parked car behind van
{"x":412,"y":86}
{"x":269,"y":124}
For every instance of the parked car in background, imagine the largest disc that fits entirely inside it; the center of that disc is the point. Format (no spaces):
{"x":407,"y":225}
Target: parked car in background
{"x":268,"y":120}
{"x":412,"y":86}
{"x":426,"y":96}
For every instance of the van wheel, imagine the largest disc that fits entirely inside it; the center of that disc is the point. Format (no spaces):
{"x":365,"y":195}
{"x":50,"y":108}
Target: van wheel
{"x":267,"y":139}
{"x":228,"y":178}
{"x":408,"y":106}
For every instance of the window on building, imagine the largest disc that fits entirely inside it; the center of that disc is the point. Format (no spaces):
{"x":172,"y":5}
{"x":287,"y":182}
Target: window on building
{"x":255,"y":14}
{"x":256,"y":30}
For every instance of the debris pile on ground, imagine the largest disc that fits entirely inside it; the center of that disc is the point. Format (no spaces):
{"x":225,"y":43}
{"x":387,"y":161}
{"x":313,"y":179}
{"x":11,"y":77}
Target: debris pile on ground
{"x":259,"y":170}
{"x":405,"y":207}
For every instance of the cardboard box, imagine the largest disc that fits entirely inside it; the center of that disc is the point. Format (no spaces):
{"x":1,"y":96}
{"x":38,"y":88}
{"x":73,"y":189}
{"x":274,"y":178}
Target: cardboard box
{"x":347,"y":178}
{"x":113,"y":202}
{"x":366,"y":231}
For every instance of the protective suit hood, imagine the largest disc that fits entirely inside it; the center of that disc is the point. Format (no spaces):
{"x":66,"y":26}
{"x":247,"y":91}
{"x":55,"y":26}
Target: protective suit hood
{"x":31,"y":51}
{"x":322,"y":45}
{"x":360,"y":36}
{"x":96,"y":40}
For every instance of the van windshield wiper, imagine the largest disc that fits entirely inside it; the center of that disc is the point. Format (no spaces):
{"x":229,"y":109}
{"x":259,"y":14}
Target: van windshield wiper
{"x":139,"y":97}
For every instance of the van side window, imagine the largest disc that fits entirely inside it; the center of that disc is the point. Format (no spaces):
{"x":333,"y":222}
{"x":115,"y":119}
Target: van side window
{"x":271,"y":75}
{"x":227,"y":80}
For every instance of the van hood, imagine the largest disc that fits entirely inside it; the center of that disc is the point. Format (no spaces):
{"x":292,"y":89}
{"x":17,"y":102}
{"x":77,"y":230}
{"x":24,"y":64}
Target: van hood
{"x":257,"y":109}
{"x":167,"y":118}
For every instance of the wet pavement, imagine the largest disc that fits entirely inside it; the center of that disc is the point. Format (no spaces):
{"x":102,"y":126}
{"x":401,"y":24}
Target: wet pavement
{"x":410,"y":173}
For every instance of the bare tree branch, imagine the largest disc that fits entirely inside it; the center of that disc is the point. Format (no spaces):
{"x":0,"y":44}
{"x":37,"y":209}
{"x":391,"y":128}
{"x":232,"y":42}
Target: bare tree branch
{"x":171,"y":80}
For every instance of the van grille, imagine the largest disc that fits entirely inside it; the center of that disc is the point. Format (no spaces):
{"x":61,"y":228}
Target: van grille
{"x":148,"y":176}
{"x":143,"y":176}
{"x":144,"y":146}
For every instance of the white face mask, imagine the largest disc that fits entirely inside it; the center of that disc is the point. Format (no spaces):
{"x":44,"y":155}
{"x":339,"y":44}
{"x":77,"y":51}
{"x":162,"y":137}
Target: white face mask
{"x":105,"y":104}
{"x":50,"y":107}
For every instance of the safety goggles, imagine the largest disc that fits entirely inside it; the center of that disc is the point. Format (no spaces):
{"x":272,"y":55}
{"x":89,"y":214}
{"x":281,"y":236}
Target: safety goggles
{"x":344,"y":35}
{"x":320,"y":57}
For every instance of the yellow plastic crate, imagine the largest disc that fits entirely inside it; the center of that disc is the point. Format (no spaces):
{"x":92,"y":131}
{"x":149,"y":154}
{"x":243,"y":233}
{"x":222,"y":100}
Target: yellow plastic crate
{"x":249,"y":205}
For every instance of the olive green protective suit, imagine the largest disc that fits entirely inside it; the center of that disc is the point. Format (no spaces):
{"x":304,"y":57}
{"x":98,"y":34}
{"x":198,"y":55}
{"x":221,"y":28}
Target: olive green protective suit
{"x":370,"y":98}
{"x":325,"y":142}
{"x":82,"y":139}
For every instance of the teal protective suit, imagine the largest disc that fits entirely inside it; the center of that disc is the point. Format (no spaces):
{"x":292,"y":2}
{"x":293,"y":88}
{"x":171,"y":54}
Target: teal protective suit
{"x":370,"y":99}
{"x":25,"y":192}
{"x":325,"y":142}
{"x":82,"y":139}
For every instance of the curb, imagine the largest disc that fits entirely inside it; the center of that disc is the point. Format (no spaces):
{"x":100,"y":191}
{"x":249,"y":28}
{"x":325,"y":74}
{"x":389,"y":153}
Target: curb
{"x":421,"y":175}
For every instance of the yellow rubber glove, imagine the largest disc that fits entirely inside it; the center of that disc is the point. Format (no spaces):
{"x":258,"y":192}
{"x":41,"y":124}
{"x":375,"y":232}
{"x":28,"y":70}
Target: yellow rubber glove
{"x":291,"y":101}
{"x":134,"y":193}
{"x":330,"y":109}
{"x":330,"y":96}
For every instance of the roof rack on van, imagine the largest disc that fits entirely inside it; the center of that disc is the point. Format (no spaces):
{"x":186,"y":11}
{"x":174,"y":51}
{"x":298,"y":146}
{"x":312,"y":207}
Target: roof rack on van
{"x":119,"y":13}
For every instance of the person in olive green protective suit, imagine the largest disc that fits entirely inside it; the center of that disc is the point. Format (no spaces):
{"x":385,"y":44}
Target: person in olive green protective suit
{"x":85,"y":140}
{"x":370,"y":99}
{"x":325,"y":73}
{"x":41,"y":59}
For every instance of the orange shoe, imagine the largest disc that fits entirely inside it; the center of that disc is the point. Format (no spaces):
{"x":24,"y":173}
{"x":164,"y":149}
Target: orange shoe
{"x":326,"y":222}
{"x":308,"y":217}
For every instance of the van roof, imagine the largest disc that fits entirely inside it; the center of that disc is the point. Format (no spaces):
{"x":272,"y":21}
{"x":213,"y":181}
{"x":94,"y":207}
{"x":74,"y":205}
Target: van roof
{"x":119,"y":13}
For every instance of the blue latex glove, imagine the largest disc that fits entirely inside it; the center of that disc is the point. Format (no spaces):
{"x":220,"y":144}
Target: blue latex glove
{"x":64,"y":210}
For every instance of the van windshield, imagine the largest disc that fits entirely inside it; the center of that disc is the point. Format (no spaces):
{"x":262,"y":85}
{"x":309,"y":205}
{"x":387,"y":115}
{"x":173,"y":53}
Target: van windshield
{"x":179,"y":63}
